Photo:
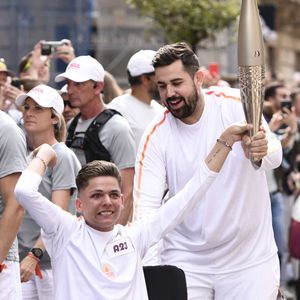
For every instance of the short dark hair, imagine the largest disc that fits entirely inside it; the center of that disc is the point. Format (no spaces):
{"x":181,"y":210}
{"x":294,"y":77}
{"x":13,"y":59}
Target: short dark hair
{"x":270,"y":91}
{"x":168,"y":54}
{"x":137,"y":80}
{"x":97,"y":168}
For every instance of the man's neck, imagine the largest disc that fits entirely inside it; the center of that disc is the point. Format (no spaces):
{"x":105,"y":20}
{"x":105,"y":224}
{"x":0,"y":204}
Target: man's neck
{"x":141,"y":95}
{"x":92,"y":109}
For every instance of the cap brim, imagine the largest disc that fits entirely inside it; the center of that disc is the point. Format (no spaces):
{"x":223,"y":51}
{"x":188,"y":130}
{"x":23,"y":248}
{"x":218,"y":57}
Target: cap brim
{"x":73,"y":77}
{"x":20,"y":99}
{"x":8,"y":73}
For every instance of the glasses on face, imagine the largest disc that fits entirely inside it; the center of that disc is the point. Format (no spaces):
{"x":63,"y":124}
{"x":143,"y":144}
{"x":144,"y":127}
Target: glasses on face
{"x":66,"y":102}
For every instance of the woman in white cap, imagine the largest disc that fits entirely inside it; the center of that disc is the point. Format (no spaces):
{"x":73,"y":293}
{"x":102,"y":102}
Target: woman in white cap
{"x":44,"y":124}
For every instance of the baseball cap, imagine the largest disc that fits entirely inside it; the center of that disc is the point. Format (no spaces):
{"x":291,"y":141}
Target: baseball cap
{"x":82,"y":68}
{"x":141,"y":63}
{"x":3,"y":68}
{"x":45,"y":96}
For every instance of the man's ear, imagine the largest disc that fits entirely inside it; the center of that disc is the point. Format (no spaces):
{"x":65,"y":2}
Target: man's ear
{"x":199,"y":78}
{"x":78,"y":205}
{"x":98,"y":87}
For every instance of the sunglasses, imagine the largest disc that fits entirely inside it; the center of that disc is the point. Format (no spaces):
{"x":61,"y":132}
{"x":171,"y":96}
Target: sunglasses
{"x":66,"y":102}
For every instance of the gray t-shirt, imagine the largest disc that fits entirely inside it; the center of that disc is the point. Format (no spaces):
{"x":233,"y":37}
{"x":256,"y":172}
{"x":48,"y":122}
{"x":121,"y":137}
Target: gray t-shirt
{"x":61,"y":177}
{"x":12,"y":160}
{"x":116,"y":136}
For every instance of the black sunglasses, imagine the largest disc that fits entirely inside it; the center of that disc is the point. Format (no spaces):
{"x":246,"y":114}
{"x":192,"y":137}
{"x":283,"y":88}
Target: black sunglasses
{"x":66,"y":102}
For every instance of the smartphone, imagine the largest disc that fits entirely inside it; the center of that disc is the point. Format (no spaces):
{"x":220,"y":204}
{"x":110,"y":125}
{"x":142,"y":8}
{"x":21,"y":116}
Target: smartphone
{"x":50,"y":47}
{"x":287,"y":104}
{"x":213,"y":69}
{"x":16,"y":82}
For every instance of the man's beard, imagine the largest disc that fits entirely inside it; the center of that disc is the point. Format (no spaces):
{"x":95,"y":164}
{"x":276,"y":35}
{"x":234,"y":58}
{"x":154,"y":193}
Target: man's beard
{"x":187,"y":109}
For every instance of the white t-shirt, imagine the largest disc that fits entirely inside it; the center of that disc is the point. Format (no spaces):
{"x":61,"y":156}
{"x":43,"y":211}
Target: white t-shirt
{"x":231,"y":228}
{"x":90,"y":264}
{"x":137,"y":113}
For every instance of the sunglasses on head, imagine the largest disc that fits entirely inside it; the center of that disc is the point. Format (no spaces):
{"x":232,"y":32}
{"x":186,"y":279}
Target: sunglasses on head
{"x":66,"y":102}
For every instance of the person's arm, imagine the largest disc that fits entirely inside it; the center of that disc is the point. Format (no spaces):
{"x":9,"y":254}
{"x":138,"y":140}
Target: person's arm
{"x":127,"y":189}
{"x":29,"y":263}
{"x":12,"y":215}
{"x":176,"y":208}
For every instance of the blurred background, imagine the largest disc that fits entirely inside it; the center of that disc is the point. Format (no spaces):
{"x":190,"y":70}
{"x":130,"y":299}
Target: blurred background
{"x":112,"y":30}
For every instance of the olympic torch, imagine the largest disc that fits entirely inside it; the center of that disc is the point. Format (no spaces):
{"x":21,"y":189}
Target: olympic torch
{"x":251,"y":63}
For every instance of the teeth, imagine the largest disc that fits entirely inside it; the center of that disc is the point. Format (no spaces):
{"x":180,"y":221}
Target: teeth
{"x":105,"y":213}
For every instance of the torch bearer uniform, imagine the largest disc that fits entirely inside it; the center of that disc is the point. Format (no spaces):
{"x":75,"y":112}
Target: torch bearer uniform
{"x":230,"y":230}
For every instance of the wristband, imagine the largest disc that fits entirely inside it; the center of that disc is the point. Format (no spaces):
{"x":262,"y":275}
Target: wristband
{"x":224,"y":143}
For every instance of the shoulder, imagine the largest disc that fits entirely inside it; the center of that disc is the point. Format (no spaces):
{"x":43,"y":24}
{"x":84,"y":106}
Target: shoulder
{"x":65,"y":155}
{"x":117,"y":122}
{"x":120,"y":101}
{"x":223,"y":95}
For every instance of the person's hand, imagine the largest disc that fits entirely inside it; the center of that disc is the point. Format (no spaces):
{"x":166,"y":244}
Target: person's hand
{"x":256,"y":147}
{"x":65,"y":52}
{"x":276,"y":122}
{"x":27,"y":268}
{"x":289,"y":118}
{"x":11,"y":92}
{"x":235,"y":132}
{"x":47,"y":153}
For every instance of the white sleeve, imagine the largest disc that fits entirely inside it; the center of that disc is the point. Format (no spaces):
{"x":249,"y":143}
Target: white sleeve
{"x":274,"y":156}
{"x":43,"y":211}
{"x":157,"y":225}
{"x":149,"y":186}
{"x":57,"y":225}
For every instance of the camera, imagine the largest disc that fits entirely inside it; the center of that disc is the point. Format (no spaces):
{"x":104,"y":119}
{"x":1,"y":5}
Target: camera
{"x":50,"y":47}
{"x":16,"y":82}
{"x":287,"y":104}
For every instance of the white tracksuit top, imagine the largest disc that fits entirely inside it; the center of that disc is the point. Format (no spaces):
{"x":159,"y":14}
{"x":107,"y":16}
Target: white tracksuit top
{"x":231,"y":227}
{"x":92,"y":265}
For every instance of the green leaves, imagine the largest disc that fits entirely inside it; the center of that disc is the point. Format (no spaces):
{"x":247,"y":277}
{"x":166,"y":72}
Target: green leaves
{"x":189,"y":20}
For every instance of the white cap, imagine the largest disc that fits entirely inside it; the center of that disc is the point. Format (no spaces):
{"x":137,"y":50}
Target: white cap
{"x":82,"y":68}
{"x":45,"y":96}
{"x":141,"y":63}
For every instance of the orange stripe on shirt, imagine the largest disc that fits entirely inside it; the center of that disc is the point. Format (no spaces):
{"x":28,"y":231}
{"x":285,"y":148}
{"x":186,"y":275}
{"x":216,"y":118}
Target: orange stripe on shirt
{"x":221,"y":94}
{"x":143,"y":154}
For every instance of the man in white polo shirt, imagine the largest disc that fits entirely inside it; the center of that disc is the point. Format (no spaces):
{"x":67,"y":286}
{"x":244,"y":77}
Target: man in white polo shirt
{"x":140,"y":105}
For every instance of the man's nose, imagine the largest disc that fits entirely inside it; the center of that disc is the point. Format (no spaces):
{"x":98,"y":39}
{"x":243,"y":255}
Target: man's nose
{"x":170,"y":91}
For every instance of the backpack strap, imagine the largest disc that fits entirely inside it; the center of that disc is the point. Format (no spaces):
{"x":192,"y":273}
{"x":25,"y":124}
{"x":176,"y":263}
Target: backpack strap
{"x":92,"y":145}
{"x":71,"y":130}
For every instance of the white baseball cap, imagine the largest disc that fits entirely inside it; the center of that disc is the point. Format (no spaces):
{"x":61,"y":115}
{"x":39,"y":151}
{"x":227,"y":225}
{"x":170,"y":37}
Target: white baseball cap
{"x":141,"y":63}
{"x":45,"y":96}
{"x":82,"y":68}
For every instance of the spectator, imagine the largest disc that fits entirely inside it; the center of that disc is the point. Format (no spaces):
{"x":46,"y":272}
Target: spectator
{"x":44,"y":123}
{"x":97,"y":132}
{"x":139,"y":106}
{"x":69,"y":111}
{"x":111,"y":88}
{"x":12,"y":163}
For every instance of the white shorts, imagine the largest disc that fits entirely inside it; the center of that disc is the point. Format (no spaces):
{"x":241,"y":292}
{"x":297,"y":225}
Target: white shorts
{"x":10,"y":284}
{"x":39,"y":289}
{"x":258,"y":282}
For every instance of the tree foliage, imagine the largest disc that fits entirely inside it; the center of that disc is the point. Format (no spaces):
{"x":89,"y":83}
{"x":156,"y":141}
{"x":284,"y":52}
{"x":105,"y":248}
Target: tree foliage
{"x":189,"y":20}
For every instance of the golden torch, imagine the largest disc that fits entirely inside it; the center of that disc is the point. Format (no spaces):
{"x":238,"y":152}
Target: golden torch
{"x":251,"y":63}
